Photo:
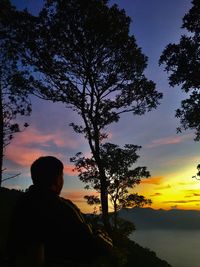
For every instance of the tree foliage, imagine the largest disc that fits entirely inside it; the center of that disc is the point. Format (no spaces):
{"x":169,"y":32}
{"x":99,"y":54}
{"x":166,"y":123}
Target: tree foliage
{"x":120,"y":176}
{"x":182,"y":61}
{"x":197,"y":176}
{"x":14,"y":85}
{"x":81,"y":53}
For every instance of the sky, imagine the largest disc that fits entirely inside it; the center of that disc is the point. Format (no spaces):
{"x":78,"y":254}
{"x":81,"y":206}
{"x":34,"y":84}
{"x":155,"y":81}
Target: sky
{"x":171,"y":158}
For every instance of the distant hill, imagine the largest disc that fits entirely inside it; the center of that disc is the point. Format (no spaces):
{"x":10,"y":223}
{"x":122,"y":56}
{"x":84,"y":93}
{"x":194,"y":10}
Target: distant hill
{"x":147,"y":218}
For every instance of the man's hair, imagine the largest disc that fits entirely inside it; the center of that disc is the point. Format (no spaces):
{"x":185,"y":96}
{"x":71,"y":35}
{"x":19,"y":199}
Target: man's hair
{"x":45,"y":171}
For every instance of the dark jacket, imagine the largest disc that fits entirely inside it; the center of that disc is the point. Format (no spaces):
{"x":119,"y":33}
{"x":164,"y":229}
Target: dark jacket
{"x":41,"y":216}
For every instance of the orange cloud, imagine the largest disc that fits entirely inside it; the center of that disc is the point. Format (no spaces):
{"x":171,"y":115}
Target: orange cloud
{"x":69,"y":169}
{"x":76,"y":196}
{"x":152,"y":180}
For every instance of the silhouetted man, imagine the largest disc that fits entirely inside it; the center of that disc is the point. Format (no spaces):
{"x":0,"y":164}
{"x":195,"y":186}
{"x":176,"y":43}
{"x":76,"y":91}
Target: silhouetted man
{"x":51,"y":224}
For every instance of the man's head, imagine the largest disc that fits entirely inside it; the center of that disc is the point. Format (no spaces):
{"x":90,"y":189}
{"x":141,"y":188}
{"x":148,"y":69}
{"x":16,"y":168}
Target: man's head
{"x":47,"y":172}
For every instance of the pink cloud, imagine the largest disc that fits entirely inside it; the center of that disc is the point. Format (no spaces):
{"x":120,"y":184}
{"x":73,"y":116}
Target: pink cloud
{"x":33,"y":136}
{"x":110,"y":136}
{"x":168,"y":141}
{"x":27,"y":146}
{"x":25,"y":156}
{"x":31,"y":144}
{"x":69,"y":169}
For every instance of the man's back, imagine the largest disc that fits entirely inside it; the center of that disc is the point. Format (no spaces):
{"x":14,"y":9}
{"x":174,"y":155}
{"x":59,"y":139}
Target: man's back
{"x":42,"y":217}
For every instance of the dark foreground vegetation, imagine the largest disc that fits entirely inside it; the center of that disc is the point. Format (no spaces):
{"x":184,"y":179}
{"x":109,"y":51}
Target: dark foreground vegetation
{"x":135,"y":255}
{"x":128,"y":252}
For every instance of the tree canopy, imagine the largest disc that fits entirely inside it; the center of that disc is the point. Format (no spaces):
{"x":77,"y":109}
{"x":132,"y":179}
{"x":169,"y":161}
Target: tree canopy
{"x":182,"y":61}
{"x":121,"y":177}
{"x":82,"y":54}
{"x":14,"y":86}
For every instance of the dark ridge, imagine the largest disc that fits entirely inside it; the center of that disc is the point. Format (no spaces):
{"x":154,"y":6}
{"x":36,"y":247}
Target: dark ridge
{"x":147,"y":218}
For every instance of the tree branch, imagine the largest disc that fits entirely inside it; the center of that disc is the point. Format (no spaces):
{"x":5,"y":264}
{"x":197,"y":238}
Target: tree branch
{"x":11,"y":177}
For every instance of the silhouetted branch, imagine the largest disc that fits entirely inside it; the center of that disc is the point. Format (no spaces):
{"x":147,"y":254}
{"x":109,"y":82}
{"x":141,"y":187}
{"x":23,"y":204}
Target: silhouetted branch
{"x":11,"y":177}
{"x":195,"y":177}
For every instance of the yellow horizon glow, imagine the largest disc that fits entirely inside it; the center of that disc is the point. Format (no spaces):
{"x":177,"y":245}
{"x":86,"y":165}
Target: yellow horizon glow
{"x":176,"y":190}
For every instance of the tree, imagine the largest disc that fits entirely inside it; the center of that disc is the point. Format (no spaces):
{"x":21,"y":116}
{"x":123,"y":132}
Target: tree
{"x":120,"y":177}
{"x":197,"y":176}
{"x":82,"y":54}
{"x":182,"y":61}
{"x":13,"y":84}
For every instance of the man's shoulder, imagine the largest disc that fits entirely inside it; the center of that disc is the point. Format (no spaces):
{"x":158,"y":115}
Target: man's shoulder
{"x":68,"y":204}
{"x":66,"y":200}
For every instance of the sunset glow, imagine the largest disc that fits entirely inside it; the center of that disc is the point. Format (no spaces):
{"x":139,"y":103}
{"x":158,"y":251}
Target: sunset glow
{"x":171,"y":158}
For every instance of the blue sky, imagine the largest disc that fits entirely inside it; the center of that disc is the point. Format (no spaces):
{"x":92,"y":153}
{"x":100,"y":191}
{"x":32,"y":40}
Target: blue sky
{"x":171,"y":158}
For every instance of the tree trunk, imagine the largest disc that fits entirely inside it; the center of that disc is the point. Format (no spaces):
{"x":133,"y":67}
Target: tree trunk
{"x":94,"y":143}
{"x":115,"y":215}
{"x":95,"y":149}
{"x":104,"y":202}
{"x":1,"y":137}
{"x":104,"y":193}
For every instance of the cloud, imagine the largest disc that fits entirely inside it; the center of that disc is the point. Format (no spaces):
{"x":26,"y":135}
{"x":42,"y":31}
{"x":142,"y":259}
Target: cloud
{"x":109,"y":136}
{"x":192,"y":192}
{"x":156,"y":195}
{"x":181,"y":201}
{"x":182,"y":183}
{"x":168,"y":186}
{"x":196,"y":195}
{"x":76,"y":196}
{"x":24,"y":157}
{"x":32,"y":144}
{"x":174,"y":207}
{"x":168,"y":141}
{"x":193,"y":195}
{"x":32,"y":136}
{"x":69,"y":169}
{"x":152,"y":180}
